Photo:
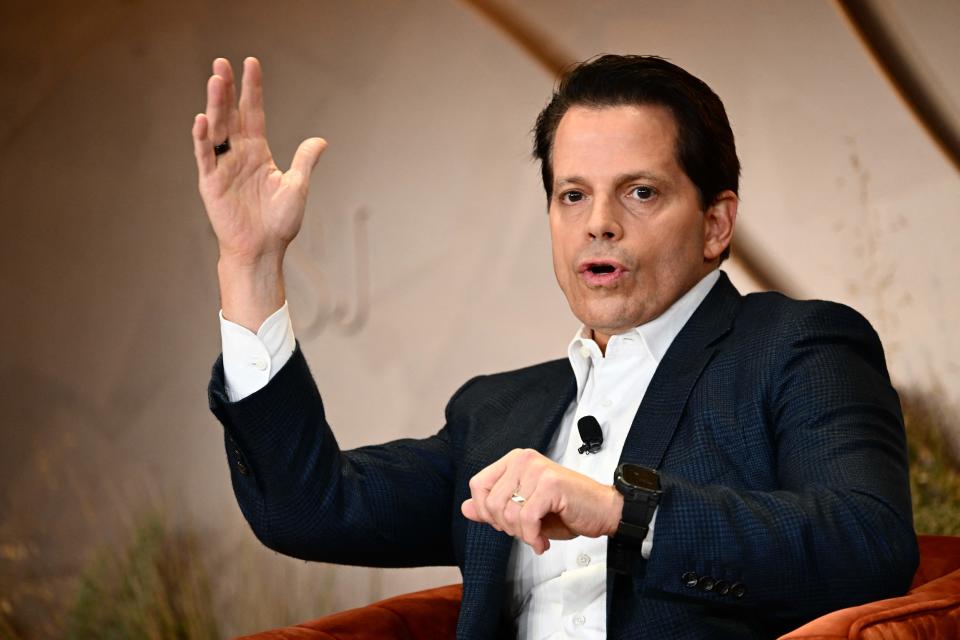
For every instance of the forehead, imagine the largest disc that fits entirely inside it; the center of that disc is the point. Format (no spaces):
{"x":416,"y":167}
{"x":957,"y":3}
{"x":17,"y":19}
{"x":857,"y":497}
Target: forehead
{"x":597,"y":141}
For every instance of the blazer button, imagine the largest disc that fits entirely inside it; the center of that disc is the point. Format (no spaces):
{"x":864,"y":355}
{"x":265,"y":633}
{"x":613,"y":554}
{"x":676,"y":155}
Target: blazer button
{"x":706,"y":583}
{"x":722,"y":587}
{"x":738,"y":590}
{"x":689,"y":579}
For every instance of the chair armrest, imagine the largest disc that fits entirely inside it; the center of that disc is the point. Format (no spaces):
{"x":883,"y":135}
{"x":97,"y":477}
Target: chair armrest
{"x":939,"y":555}
{"x":423,"y":615}
{"x":929,"y":611}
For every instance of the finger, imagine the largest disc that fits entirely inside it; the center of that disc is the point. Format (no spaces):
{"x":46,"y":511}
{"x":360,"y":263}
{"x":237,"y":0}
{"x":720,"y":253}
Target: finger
{"x":202,"y":149}
{"x":252,"y":116}
{"x":530,"y":522}
{"x":499,"y":504}
{"x":305,"y":159}
{"x":478,"y":499}
{"x":480,"y":485}
{"x":510,"y":517}
{"x":469,"y":510}
{"x":222,"y":68}
{"x":217,"y":111}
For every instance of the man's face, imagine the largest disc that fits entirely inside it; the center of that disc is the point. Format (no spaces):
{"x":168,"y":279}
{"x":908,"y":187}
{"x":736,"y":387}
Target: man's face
{"x":629,"y":236}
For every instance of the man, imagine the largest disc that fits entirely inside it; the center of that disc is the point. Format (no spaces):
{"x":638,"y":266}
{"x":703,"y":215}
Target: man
{"x":750,"y":472}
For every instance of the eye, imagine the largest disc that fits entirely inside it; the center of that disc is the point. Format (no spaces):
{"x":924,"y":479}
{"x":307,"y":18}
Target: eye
{"x":643,"y":193}
{"x":571,"y":197}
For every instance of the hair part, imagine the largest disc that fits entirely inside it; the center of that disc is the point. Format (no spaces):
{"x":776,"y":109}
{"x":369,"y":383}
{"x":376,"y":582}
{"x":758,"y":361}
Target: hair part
{"x":705,"y":147}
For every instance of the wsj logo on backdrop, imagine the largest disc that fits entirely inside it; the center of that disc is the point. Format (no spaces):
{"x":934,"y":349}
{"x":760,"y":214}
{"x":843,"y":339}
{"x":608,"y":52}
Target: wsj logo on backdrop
{"x":328,"y":273}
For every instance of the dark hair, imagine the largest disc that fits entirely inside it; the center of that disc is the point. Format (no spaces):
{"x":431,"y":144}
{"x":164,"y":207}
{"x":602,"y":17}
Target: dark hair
{"x":705,"y":147}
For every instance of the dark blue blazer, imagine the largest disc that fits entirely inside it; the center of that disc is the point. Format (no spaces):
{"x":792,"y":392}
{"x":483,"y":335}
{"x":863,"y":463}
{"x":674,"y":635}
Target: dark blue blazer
{"x":778,"y":438}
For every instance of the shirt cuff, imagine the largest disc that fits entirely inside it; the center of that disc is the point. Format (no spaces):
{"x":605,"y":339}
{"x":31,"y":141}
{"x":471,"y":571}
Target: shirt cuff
{"x":647,"y":546}
{"x":250,"y":360}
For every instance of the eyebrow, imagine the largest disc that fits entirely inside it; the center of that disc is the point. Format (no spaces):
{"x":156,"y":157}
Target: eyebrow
{"x":620,"y":179}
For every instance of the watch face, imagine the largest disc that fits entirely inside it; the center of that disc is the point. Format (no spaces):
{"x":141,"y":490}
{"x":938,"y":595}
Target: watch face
{"x":641,"y":477}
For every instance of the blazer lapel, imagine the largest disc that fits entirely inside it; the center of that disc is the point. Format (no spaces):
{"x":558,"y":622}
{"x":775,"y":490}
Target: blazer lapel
{"x":666,"y":396}
{"x":531,"y":422}
{"x":684,"y":361}
{"x":537,"y":415}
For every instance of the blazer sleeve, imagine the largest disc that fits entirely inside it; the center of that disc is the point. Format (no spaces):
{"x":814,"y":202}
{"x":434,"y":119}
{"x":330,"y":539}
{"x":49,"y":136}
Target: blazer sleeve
{"x":388,"y":505}
{"x":835,"y":528}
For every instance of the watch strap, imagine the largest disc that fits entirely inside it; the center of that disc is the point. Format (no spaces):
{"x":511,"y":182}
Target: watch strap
{"x":639,"y":505}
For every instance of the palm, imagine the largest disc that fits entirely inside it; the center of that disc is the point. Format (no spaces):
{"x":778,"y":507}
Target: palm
{"x":252,"y":205}
{"x":255,"y":208}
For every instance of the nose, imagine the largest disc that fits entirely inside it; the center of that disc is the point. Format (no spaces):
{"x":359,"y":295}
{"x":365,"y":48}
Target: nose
{"x":604,"y":220}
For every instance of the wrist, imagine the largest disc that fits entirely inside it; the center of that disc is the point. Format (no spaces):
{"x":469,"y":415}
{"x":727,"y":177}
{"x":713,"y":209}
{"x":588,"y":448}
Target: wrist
{"x":253,"y":260}
{"x":615,"y":512}
{"x":250,"y":289}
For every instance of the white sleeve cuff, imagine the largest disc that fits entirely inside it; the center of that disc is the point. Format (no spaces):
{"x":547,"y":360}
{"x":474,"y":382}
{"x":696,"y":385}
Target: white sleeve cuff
{"x":250,"y":360}
{"x":647,"y":545}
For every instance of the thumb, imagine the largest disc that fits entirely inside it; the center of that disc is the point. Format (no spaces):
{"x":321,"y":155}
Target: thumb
{"x":469,"y":510}
{"x":306,"y":157}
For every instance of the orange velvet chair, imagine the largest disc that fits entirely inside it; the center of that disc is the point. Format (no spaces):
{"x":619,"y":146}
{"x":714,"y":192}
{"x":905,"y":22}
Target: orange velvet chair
{"x":930,"y":610}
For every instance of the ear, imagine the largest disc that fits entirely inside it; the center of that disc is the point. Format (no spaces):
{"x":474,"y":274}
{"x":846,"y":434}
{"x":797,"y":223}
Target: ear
{"x":718,"y":222}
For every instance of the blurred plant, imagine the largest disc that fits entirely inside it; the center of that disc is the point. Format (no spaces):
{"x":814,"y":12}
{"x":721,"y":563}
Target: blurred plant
{"x":156,"y":589}
{"x":934,"y":468}
{"x":7,"y":631}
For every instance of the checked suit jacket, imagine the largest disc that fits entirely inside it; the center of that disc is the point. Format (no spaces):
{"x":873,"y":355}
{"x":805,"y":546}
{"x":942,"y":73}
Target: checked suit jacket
{"x":778,"y":438}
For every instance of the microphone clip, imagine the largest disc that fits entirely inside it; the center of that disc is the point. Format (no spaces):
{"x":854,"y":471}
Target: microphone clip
{"x":591,"y":434}
{"x":589,"y":447}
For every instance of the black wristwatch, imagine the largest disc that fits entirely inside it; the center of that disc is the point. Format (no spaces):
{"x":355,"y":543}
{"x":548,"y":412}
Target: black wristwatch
{"x":640,"y":487}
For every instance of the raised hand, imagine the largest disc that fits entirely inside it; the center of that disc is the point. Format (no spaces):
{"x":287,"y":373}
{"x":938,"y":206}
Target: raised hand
{"x":255,"y":209}
{"x":533,"y":498}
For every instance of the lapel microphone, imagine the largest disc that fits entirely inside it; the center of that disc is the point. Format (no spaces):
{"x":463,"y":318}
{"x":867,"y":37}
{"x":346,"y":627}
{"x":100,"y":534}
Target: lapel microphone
{"x":590,"y":433}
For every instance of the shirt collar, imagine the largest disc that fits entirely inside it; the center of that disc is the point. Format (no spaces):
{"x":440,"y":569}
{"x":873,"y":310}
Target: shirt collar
{"x":656,"y":336}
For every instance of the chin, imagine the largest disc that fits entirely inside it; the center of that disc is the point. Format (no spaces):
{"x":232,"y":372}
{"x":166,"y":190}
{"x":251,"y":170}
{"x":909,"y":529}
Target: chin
{"x":608,"y":323}
{"x":605,"y":311}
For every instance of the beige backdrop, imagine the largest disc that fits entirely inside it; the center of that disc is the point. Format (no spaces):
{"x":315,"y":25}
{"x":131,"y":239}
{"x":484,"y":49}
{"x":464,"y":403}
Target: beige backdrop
{"x":425,"y":256}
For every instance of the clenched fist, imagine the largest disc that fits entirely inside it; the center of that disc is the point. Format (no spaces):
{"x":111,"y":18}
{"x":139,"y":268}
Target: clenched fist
{"x":533,"y":498}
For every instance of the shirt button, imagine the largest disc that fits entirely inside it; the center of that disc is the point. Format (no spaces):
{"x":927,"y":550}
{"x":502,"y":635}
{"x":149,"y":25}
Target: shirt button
{"x":583,"y":559}
{"x":607,"y":402}
{"x":579,"y":620}
{"x":585,"y":352}
{"x":260,"y":364}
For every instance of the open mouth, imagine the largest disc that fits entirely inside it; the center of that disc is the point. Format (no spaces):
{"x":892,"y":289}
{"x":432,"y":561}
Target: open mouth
{"x":601,"y":268}
{"x":601,"y":272}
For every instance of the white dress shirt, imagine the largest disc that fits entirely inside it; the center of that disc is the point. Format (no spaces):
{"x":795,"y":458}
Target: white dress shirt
{"x":562,"y":593}
{"x":250,"y":360}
